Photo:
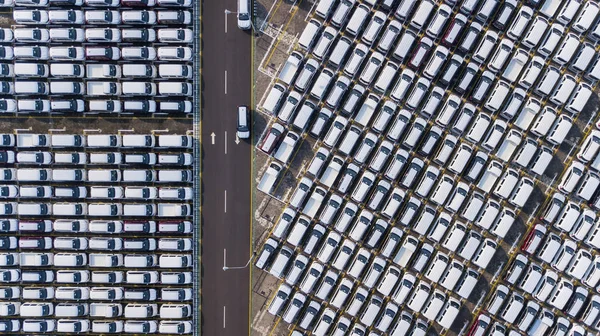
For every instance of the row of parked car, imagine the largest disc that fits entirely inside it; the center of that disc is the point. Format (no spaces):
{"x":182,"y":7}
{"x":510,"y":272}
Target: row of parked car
{"x":100,"y":141}
{"x":101,"y":260}
{"x":98,"y":326}
{"x":10,"y":275}
{"x":97,"y":3}
{"x":375,"y":133}
{"x":97,"y":35}
{"x":102,"y":17}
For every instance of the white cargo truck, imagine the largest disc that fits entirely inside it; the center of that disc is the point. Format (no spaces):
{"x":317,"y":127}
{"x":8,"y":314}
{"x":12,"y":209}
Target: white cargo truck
{"x":106,"y":260}
{"x":290,"y":68}
{"x":490,"y":176}
{"x":36,"y":259}
{"x":103,"y":71}
{"x":33,"y":140}
{"x":367,"y":110}
{"x":107,"y":310}
{"x":267,"y":182}
{"x":511,"y":142}
{"x":286,"y":148}
{"x":103,"y":88}
{"x":332,"y":171}
{"x":174,"y":210}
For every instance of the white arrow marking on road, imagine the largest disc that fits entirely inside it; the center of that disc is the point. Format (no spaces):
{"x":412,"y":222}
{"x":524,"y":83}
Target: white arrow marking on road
{"x":225,"y":201}
{"x":212,"y":137}
{"x":237,"y":139}
{"x":225,"y":142}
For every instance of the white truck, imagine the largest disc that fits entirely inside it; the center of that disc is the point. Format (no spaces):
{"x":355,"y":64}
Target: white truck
{"x":267,"y":181}
{"x":515,"y":66}
{"x":510,"y":144}
{"x":103,"y":71}
{"x":103,"y":88}
{"x":365,"y":114}
{"x":108,"y":310}
{"x":332,"y":171}
{"x":105,"y":260}
{"x":33,"y":140}
{"x":290,"y":68}
{"x":36,"y":259}
{"x":527,"y":114}
{"x":490,"y":176}
{"x":174,"y":210}
{"x":286,"y":148}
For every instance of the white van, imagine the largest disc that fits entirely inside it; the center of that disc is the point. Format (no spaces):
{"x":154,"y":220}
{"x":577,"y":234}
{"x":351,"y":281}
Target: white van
{"x":104,"y":140}
{"x":309,"y":34}
{"x":356,"y":23}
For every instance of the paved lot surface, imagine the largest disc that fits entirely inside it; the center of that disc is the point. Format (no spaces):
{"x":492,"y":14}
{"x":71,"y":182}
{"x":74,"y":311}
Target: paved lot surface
{"x":226,"y":172}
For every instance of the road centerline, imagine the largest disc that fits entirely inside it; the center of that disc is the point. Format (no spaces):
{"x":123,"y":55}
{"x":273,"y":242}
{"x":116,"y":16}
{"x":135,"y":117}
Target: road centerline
{"x":225,"y":201}
{"x":225,"y":81}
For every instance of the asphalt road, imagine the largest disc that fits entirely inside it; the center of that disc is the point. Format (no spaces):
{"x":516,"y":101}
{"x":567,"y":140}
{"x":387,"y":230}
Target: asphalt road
{"x":226,"y":172}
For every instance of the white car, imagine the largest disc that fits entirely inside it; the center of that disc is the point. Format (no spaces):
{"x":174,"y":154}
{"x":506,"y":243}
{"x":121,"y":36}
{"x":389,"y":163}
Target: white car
{"x":103,"y":16}
{"x":66,"y":16}
{"x":8,"y":105}
{"x":175,"y":3}
{"x":139,"y":17}
{"x":67,"y":53}
{"x":103,"y":35}
{"x":170,"y":35}
{"x":8,"y":191}
{"x":30,"y":17}
{"x":174,"y":17}
{"x":139,"y":53}
{"x":7,"y":53}
{"x":32,"y":35}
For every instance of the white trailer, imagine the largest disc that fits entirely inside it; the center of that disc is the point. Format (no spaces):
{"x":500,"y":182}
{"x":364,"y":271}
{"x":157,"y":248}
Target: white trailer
{"x":103,"y":88}
{"x":290,"y":68}
{"x":267,"y":181}
{"x":103,"y":71}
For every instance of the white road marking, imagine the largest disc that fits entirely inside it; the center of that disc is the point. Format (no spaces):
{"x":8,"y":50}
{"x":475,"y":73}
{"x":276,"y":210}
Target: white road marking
{"x":225,"y":21}
{"x":223,"y":317}
{"x":224,"y":257}
{"x":225,"y":201}
{"x":268,"y":14}
{"x":225,"y":142}
{"x":225,"y":81}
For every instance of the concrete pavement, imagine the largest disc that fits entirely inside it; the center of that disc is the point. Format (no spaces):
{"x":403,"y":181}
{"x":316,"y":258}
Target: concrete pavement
{"x":226,"y":174}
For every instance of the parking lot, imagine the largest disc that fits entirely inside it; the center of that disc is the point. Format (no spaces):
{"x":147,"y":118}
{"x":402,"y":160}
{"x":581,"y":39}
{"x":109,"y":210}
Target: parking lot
{"x":458,"y":122}
{"x":97,"y":233}
{"x":98,"y":163}
{"x":136,"y":59}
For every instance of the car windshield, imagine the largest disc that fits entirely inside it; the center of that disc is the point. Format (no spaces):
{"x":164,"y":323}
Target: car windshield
{"x":243,"y":16}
